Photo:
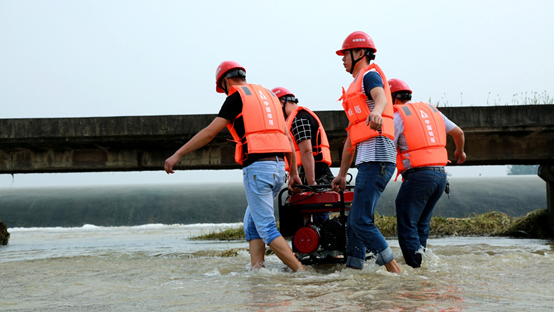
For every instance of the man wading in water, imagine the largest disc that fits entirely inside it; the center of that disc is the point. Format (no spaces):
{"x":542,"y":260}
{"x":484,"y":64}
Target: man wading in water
{"x":420,"y":137}
{"x":368,"y":106}
{"x":261,"y":153}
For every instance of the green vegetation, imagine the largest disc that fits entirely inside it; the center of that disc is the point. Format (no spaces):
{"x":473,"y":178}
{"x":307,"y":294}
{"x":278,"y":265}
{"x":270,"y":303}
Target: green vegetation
{"x":227,"y":234}
{"x":534,"y":225}
{"x":4,"y":235}
{"x":523,"y":98}
{"x":523,"y":170}
{"x":533,"y":98}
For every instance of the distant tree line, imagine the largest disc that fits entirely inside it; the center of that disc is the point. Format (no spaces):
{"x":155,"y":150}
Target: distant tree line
{"x":523,"y":170}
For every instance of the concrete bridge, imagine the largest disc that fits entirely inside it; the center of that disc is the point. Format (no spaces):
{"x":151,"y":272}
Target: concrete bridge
{"x":495,"y":135}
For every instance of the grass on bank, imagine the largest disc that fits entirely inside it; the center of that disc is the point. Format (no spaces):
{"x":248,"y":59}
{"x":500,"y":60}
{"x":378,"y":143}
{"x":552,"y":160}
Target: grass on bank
{"x":522,"y":98}
{"x":533,"y":225}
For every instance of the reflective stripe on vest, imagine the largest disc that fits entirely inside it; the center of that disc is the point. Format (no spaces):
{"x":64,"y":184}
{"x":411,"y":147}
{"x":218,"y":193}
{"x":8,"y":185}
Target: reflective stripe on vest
{"x":425,"y":135}
{"x":322,"y":143}
{"x":354,"y":102}
{"x":264,"y":123}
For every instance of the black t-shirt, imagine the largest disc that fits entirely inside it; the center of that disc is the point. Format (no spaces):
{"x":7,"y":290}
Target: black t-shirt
{"x":230,"y":109}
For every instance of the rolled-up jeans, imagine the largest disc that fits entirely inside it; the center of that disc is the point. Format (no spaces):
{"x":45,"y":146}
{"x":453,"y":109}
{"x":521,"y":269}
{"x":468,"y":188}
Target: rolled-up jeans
{"x":415,"y":202}
{"x":363,"y":235}
{"x":262,"y":182}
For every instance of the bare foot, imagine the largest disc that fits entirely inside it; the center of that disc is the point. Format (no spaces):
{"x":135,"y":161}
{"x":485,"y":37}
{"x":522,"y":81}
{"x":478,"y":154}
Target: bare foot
{"x":300,"y":268}
{"x":256,"y":267}
{"x":393,"y":267}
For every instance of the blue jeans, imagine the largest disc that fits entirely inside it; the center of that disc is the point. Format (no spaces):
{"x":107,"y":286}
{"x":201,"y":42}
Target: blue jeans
{"x":415,"y":202}
{"x":262,"y":182}
{"x":363,"y":235}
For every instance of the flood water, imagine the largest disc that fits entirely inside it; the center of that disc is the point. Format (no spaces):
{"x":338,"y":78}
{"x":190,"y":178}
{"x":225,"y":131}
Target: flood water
{"x":158,"y":268}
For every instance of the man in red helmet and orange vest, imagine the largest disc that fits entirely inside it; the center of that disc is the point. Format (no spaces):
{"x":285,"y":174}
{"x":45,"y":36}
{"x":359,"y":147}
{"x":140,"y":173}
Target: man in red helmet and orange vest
{"x":420,"y":138}
{"x":254,"y":117}
{"x":313,"y":155}
{"x":368,"y":106}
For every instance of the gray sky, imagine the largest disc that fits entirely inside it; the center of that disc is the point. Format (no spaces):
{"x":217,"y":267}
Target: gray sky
{"x":128,"y":58}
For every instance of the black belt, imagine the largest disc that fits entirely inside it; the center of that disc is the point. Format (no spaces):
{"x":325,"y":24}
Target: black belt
{"x":439,"y":168}
{"x":276,"y":158}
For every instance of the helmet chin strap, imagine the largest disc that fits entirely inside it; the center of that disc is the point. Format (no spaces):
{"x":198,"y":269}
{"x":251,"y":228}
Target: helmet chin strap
{"x":223,"y":85}
{"x":354,"y":62}
{"x":367,"y":52}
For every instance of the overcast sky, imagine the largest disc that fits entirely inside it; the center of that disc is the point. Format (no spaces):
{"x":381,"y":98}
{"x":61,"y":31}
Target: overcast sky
{"x":128,"y":58}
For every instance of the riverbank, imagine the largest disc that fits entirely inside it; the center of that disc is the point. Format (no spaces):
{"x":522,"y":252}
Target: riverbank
{"x":532,"y":225}
{"x":4,"y":235}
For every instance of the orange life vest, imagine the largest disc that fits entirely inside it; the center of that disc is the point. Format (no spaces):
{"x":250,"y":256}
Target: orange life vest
{"x":264,"y":123}
{"x":357,"y":110}
{"x":322,"y":143}
{"x":425,"y":135}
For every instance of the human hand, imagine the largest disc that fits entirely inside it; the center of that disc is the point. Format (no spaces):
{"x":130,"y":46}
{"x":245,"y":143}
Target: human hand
{"x":294,"y":179}
{"x":170,"y":163}
{"x":338,"y":183}
{"x":374,"y":121}
{"x":460,"y":157}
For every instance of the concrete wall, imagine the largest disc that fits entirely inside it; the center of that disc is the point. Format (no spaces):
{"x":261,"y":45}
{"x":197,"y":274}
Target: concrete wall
{"x":496,"y":135}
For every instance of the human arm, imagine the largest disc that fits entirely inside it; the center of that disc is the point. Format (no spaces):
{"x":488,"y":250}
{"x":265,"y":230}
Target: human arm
{"x":339,"y":182}
{"x":374,"y":90}
{"x":459,"y":139}
{"x":202,"y":138}
{"x":398,"y":128}
{"x":375,"y":120}
{"x":294,"y":179}
{"x":306,"y":153}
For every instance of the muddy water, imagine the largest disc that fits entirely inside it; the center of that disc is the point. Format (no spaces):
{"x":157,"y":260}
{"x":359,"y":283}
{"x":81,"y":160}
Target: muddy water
{"x":156,"y":267}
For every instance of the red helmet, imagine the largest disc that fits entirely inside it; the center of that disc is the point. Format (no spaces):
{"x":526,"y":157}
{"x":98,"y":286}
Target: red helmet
{"x":280,"y":92}
{"x":397,"y":85}
{"x":357,"y":40}
{"x":224,"y":68}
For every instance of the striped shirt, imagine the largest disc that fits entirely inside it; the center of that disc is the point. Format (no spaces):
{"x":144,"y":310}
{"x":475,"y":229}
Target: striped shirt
{"x":380,"y":148}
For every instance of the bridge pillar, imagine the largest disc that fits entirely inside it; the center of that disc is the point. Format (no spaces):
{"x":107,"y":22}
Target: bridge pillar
{"x":546,"y":172}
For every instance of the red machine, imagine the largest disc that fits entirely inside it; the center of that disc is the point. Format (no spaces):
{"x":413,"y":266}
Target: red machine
{"x":310,"y":217}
